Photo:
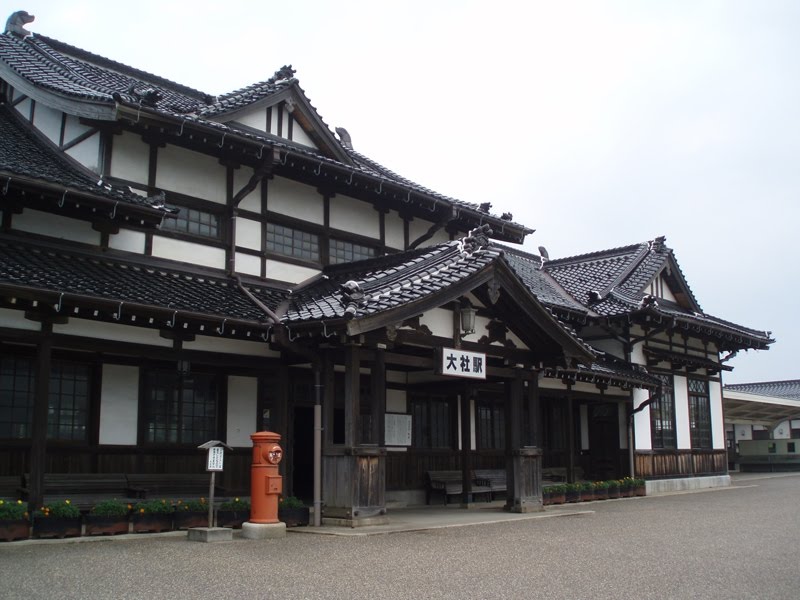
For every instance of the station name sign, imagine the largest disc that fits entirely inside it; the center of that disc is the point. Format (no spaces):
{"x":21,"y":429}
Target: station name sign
{"x":459,"y":363}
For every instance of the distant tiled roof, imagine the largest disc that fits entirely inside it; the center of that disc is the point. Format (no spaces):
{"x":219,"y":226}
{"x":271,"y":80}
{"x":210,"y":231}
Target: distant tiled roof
{"x":105,"y":278}
{"x":74,"y":73}
{"x":613,"y":283}
{"x":25,"y":155}
{"x":789,"y":389}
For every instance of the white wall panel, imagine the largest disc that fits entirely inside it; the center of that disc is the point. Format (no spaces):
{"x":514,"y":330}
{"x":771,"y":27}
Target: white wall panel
{"x":242,"y":410}
{"x":119,"y":405}
{"x":396,"y":401}
{"x":15,"y":319}
{"x":281,"y":271}
{"x":301,"y":137}
{"x":48,"y":121}
{"x":74,"y":128}
{"x":249,"y":264}
{"x":252,"y":201}
{"x":57,"y":226}
{"x":189,"y":252}
{"x":682,"y":431}
{"x":717,"y":421}
{"x":255,"y":118}
{"x":355,"y":216}
{"x":641,"y":421}
{"x":131,"y":158}
{"x":248,"y":233}
{"x":295,"y":200}
{"x":191,"y":173}
{"x":108,"y":331}
{"x":24,"y":108}
{"x":87,"y":153}
{"x":208,"y":343}
{"x":394,"y":231}
{"x":622,"y":412}
{"x":439,"y":321}
{"x":418,"y":228}
{"x":128,"y":240}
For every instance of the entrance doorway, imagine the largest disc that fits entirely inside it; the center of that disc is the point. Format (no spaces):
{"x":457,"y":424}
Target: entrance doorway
{"x":303,"y":452}
{"x":604,"y":450}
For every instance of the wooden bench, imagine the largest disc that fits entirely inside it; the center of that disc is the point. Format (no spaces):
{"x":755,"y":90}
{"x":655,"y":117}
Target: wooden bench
{"x":170,"y":485}
{"x":83,"y":490}
{"x":449,"y":483}
{"x":494,"y":478}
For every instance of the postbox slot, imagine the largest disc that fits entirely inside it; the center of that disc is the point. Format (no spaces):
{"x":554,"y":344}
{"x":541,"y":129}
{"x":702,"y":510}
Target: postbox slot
{"x":274,"y":484}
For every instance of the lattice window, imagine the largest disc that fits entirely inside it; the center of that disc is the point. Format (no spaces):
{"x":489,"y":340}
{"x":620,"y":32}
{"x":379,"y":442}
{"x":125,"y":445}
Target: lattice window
{"x":17,"y":389}
{"x":699,"y":413}
{"x":292,"y":242}
{"x":432,"y":422}
{"x":194,"y":222}
{"x":180,"y":409}
{"x":341,"y":251}
{"x":68,"y":405}
{"x":491,"y":425}
{"x":662,"y":415}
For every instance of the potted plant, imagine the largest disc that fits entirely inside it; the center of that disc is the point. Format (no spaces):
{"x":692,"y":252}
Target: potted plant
{"x":572,"y":492}
{"x":613,"y":488}
{"x":233,"y":513}
{"x":191,"y":513}
{"x":639,"y":487}
{"x":14,"y":521}
{"x":109,"y":517}
{"x":153,"y":516}
{"x":626,"y":487}
{"x":555,"y":493}
{"x":600,"y":490}
{"x":587,"y":491}
{"x":57,"y":520}
{"x":292,"y":511}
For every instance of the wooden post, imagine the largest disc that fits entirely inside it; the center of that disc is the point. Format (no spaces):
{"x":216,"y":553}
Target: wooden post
{"x":466,"y":448}
{"x":570,"y":435}
{"x":352,"y":387}
{"x":378,"y":408}
{"x":40,"y":408}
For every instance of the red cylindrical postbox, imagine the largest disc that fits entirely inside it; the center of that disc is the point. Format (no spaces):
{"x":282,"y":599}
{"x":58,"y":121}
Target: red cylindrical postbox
{"x":266,"y":484}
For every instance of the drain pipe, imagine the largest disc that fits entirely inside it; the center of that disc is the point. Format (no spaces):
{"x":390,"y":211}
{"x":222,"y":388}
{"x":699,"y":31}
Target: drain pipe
{"x":317,"y":445}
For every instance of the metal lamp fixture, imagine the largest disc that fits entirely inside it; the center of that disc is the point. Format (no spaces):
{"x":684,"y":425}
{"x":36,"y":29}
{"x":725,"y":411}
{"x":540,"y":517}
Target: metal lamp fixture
{"x":467,"y":317}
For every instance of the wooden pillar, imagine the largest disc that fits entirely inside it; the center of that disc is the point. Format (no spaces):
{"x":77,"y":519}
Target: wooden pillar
{"x":570,"y":435}
{"x":534,"y":412}
{"x":40,"y":408}
{"x":523,"y":463}
{"x":328,"y":400}
{"x":378,"y":408}
{"x":352,"y":401}
{"x":466,"y":448}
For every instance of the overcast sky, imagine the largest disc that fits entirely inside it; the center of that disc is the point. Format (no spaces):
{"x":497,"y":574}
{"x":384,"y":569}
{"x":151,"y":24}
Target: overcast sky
{"x":598,"y":123}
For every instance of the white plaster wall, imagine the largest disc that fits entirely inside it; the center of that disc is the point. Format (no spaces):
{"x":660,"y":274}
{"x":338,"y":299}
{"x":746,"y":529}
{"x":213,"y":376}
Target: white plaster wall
{"x":396,"y":401}
{"x":128,"y":240}
{"x":682,"y":431}
{"x":744,"y":432}
{"x":48,"y":121}
{"x":252,"y":201}
{"x":57,"y":226}
{"x":210,"y":343}
{"x":641,"y":421}
{"x":281,"y":271}
{"x":15,"y":319}
{"x":782,"y":431}
{"x":584,"y":419}
{"x":107,"y":331}
{"x":417,"y":228}
{"x":439,"y":321}
{"x":301,"y":137}
{"x":295,"y":200}
{"x":73,"y":128}
{"x":191,"y":173}
{"x":24,"y":108}
{"x":717,"y":421}
{"x":242,"y":410}
{"x":249,"y":264}
{"x":255,"y":118}
{"x":438,"y":238}
{"x":87,"y":153}
{"x":248,"y":233}
{"x":130,"y":159}
{"x":119,"y":407}
{"x":473,"y":438}
{"x":355,"y":216}
{"x":188,"y":252}
{"x":393,"y":230}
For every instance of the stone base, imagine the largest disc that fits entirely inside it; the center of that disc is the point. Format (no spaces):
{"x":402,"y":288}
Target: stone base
{"x":209,"y":534}
{"x":524,"y":506}
{"x":662,"y":486}
{"x":262,"y":531}
{"x":355,"y":522}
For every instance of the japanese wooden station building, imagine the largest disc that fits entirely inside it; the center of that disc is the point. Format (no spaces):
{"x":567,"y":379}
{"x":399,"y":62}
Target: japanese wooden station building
{"x":177,"y":267}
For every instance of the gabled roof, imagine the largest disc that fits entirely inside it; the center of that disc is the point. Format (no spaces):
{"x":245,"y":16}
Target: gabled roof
{"x":30,"y":160}
{"x":114,"y":286}
{"x":88,"y":85}
{"x":613,"y":283}
{"x":365,"y":295}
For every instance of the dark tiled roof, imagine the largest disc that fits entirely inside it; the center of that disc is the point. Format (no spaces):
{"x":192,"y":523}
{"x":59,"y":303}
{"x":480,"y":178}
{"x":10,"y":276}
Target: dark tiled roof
{"x":105,"y":278}
{"x":26,"y":155}
{"x":606,"y":370}
{"x":75,"y":73}
{"x":387,"y":282}
{"x":789,"y":389}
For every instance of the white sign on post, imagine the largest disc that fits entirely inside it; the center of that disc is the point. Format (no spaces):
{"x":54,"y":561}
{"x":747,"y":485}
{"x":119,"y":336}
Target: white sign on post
{"x":398,"y":429}
{"x":215,"y":458}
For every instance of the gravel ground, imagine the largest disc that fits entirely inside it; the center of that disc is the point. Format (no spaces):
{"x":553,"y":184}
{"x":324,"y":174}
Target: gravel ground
{"x":738,"y":542}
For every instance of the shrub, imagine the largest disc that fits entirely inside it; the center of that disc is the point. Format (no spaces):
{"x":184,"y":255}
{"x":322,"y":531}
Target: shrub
{"x":11,"y":510}
{"x":153,"y":507}
{"x":291,"y":502}
{"x":236,"y":504}
{"x":192,"y":505}
{"x":110,"y":508}
{"x":61,"y":510}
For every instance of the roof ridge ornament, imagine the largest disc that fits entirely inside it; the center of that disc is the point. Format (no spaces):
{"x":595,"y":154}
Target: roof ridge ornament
{"x":352,"y":297}
{"x":476,"y":239}
{"x":16,"y":24}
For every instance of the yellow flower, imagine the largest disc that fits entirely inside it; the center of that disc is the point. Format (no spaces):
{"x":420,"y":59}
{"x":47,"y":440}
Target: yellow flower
{"x":67,"y":501}
{"x":141,"y":511}
{"x":235,"y":499}
{"x":2,"y":502}
{"x":129,"y":507}
{"x":18,"y":501}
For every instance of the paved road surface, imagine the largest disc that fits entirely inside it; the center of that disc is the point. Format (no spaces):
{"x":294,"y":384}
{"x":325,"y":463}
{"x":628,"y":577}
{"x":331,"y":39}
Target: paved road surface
{"x":740,"y":542}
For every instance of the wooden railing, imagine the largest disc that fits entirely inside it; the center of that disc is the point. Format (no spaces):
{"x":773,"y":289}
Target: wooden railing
{"x":656,"y":464}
